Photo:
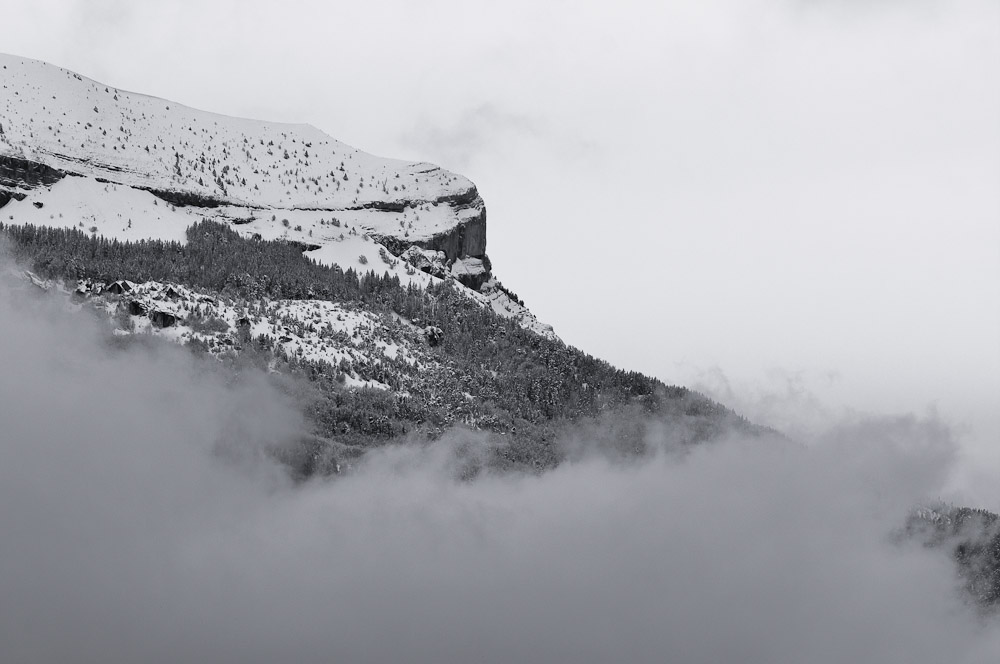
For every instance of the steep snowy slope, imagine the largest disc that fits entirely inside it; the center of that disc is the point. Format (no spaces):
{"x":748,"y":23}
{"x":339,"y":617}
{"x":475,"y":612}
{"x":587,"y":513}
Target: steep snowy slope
{"x":58,"y":118}
{"x":78,"y":153}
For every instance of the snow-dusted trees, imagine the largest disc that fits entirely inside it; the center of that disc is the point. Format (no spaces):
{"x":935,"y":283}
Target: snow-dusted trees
{"x":521,"y":385}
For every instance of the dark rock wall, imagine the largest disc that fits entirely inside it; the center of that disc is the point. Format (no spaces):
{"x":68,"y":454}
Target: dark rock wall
{"x":7,"y":196}
{"x":183,"y":198}
{"x":466,"y":239}
{"x":17,"y":173}
{"x":25,"y":174}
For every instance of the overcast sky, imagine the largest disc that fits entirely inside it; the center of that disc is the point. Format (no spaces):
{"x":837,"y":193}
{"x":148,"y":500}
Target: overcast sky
{"x":792,"y":203}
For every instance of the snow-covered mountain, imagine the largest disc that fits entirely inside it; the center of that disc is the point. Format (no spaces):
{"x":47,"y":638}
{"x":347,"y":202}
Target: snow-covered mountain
{"x":362,"y":280}
{"x":77,"y":153}
{"x":359,"y":285}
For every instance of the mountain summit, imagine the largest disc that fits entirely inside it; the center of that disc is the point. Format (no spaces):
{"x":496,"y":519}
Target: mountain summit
{"x":130,"y":154}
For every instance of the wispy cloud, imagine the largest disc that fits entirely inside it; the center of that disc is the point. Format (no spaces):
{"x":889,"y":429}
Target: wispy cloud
{"x":490,"y":128}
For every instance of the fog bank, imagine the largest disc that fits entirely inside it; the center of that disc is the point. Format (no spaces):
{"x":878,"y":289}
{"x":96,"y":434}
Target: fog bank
{"x":142,"y":520}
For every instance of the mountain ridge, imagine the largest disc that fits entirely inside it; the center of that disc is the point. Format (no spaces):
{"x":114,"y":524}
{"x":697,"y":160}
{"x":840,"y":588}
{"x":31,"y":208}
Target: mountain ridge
{"x":55,"y":123}
{"x":280,"y":246}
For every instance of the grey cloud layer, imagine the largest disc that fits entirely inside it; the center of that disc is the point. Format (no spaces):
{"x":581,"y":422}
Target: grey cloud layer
{"x":142,"y":521}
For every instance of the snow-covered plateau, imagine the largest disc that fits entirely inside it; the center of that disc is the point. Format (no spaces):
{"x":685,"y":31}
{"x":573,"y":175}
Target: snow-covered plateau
{"x":77,"y":153}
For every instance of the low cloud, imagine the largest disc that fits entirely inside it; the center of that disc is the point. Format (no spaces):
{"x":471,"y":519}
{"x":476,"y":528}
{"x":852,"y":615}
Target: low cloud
{"x":787,"y":400}
{"x":483,"y":127}
{"x":143,"y":520}
{"x":490,"y":128}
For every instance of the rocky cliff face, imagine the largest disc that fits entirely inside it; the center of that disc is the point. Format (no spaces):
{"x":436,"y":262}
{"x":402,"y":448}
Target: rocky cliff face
{"x":466,"y":239}
{"x":18,"y":173}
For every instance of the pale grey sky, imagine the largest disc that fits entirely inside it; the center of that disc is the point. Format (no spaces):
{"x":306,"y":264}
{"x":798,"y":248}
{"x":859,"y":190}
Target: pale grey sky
{"x":786,"y":197}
